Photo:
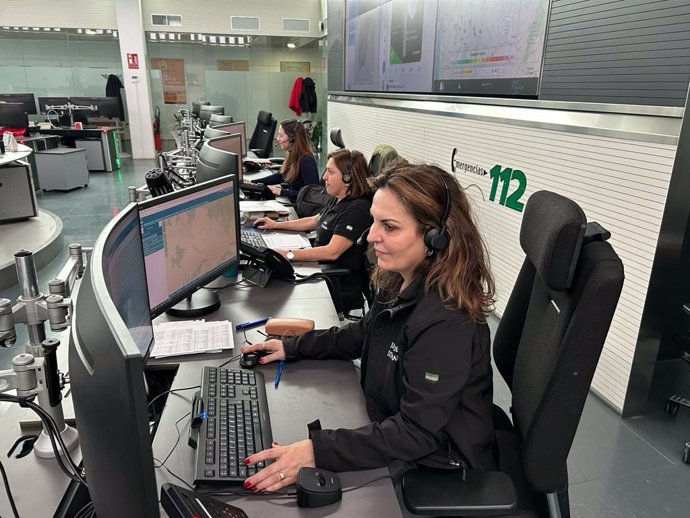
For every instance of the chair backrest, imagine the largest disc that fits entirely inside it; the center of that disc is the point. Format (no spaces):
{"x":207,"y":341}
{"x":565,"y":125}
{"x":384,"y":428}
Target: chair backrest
{"x":383,"y":155}
{"x":552,"y":332}
{"x":196,"y":106}
{"x":261,"y":142}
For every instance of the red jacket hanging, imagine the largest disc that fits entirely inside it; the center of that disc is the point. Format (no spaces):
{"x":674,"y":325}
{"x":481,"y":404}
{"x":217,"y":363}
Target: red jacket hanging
{"x":293,"y":103}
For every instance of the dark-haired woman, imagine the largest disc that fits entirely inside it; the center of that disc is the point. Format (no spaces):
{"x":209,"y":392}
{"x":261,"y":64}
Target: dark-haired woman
{"x":426,"y":369}
{"x":299,"y":167}
{"x":340,"y":223}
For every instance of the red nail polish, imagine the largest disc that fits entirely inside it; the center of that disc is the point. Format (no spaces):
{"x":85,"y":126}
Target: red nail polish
{"x":254,"y":488}
{"x":247,"y":483}
{"x":246,"y":461}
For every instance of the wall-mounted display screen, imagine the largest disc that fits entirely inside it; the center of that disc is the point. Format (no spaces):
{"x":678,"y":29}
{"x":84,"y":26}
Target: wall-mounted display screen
{"x":457,"y":47}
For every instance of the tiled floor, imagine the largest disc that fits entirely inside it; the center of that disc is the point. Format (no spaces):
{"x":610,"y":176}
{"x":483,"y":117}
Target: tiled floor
{"x":617,"y":468}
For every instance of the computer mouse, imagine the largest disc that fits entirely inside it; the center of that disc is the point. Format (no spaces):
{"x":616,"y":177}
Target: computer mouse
{"x":249,"y":360}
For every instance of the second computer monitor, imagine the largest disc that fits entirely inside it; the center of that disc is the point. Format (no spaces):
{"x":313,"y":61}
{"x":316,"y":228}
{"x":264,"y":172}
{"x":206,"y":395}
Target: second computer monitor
{"x":190,"y":237}
{"x":45,"y":102}
{"x":13,"y":116}
{"x":235,"y":127}
{"x":106,"y":106}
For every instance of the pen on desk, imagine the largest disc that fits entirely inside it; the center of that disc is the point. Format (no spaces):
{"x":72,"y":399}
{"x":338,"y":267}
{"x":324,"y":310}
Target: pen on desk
{"x":251,"y":323}
{"x":279,"y":373}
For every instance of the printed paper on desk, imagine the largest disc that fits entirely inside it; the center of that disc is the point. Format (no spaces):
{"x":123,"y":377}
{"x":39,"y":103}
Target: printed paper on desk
{"x":286,"y":241}
{"x":185,"y":337}
{"x":262,"y":206}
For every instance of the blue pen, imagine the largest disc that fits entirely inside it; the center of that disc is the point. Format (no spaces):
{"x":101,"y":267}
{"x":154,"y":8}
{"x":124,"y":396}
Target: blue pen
{"x":279,"y":373}
{"x":251,"y":323}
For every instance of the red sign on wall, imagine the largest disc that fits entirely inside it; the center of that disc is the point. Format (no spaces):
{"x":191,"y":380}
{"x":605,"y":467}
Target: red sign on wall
{"x":132,"y":60}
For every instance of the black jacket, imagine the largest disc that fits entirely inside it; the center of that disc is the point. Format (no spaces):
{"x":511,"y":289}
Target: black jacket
{"x":307,"y":96}
{"x":427,"y":381}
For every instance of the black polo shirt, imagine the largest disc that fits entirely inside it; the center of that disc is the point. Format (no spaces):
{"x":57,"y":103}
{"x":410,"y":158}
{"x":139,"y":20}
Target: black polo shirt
{"x":348,"y":218}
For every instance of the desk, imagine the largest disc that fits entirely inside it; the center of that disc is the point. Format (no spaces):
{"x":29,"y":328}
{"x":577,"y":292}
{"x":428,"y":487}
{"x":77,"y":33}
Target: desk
{"x":328,"y":390}
{"x":17,"y":196}
{"x":100,"y":144}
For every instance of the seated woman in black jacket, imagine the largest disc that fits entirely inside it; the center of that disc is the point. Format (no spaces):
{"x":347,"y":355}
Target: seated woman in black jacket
{"x":299,"y":168}
{"x":426,"y":366}
{"x":340,"y":223}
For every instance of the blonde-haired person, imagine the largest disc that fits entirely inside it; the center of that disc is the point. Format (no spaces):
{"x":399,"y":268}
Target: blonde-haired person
{"x":340,"y":223}
{"x":425,"y":346}
{"x":299,"y":167}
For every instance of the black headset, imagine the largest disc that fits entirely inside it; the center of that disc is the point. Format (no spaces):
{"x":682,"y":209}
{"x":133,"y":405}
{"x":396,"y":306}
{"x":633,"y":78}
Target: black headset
{"x":435,"y":239}
{"x":347,"y":178}
{"x":291,"y":133}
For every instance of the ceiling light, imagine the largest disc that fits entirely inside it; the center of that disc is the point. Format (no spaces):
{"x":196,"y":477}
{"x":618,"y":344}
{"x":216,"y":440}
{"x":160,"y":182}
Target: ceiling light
{"x":291,"y":45}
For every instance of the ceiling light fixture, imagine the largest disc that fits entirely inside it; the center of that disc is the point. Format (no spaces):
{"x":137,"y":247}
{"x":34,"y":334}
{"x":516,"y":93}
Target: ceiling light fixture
{"x":291,"y":45}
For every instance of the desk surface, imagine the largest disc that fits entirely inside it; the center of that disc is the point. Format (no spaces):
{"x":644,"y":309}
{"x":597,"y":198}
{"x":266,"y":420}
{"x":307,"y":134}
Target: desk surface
{"x":309,"y":390}
{"x":11,"y":156}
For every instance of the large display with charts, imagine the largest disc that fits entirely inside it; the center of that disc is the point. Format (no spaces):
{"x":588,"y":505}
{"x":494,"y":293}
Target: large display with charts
{"x":455,"y":47}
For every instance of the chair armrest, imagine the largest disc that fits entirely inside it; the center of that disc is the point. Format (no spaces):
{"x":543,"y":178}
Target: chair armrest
{"x":430,"y":492}
{"x":334,"y":270}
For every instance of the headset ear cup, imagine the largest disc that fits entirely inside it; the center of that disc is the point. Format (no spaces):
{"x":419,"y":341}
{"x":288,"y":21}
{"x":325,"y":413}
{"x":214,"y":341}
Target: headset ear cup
{"x":435,"y":240}
{"x":347,"y":178}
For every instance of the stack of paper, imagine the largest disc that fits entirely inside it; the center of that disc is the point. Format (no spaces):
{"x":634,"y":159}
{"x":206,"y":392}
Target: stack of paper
{"x":191,"y":337}
{"x":256,"y":209}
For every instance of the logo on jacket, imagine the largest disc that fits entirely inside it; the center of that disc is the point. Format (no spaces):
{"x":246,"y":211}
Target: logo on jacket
{"x":393,"y":352}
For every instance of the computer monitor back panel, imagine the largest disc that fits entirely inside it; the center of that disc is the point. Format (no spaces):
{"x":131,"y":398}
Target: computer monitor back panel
{"x":235,"y":127}
{"x":216,"y":154}
{"x":44,"y":102}
{"x":12,"y":115}
{"x":105,"y":106}
{"x":107,"y":377}
{"x":190,"y":237}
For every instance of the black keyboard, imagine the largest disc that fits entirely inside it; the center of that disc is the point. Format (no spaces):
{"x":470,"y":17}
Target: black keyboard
{"x":253,"y":239}
{"x":236,"y":425}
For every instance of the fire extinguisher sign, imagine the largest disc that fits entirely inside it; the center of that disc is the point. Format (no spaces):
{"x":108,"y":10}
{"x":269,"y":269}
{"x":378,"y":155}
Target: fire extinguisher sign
{"x":132,"y":60}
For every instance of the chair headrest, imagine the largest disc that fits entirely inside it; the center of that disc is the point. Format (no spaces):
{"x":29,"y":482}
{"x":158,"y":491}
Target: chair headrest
{"x":264,"y":117}
{"x":551,"y":234}
{"x":337,"y":138}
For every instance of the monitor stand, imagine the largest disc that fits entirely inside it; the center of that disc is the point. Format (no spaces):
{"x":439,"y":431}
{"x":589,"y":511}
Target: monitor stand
{"x":198,"y":304}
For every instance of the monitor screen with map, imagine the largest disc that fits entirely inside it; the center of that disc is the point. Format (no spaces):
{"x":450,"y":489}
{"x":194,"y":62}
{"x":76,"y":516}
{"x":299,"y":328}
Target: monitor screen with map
{"x":190,"y":237}
{"x":468,"y":47}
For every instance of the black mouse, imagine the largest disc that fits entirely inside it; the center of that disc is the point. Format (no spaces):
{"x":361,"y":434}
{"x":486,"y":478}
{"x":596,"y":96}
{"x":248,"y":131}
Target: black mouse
{"x":250,"y":360}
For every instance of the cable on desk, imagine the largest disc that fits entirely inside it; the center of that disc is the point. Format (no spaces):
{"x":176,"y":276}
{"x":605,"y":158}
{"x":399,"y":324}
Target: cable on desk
{"x":54,"y":436}
{"x":177,"y":441}
{"x":6,"y":482}
{"x":87,"y":511}
{"x":363,"y":484}
{"x":233,"y":358}
{"x":172,"y":391}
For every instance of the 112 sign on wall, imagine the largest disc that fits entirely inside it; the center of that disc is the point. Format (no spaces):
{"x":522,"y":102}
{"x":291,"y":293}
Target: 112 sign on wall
{"x":505,"y":176}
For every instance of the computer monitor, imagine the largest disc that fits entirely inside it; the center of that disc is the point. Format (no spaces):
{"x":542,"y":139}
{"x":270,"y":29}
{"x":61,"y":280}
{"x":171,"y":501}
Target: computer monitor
{"x":190,"y":237}
{"x":206,"y":111}
{"x":216,"y":119}
{"x":223,"y":154}
{"x":210,"y":132}
{"x":26,"y":100}
{"x":107,"y":106}
{"x":44,"y":102}
{"x":13,"y":116}
{"x":196,"y":106}
{"x":110,"y":337}
{"x":235,"y":127}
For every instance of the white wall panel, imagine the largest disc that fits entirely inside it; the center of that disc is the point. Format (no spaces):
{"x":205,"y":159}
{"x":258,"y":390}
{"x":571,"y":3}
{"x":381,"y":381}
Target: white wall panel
{"x":98,"y":14}
{"x":619,"y":182}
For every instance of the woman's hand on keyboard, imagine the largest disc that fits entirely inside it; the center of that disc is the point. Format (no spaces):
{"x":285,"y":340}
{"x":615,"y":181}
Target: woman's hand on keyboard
{"x":265,"y":223}
{"x":271,"y":350}
{"x":287,"y":461}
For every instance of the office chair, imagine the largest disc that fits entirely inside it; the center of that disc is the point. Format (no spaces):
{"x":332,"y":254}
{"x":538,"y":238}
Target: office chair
{"x":336,"y":137}
{"x":546,"y":347}
{"x":345,"y":298}
{"x":196,"y":107}
{"x":217,"y":118}
{"x":261,"y":143}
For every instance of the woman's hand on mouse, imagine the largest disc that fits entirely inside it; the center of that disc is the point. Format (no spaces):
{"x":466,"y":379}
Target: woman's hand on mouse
{"x":287,"y":461}
{"x":275,"y":189}
{"x":265,"y":223}
{"x":272,"y":350}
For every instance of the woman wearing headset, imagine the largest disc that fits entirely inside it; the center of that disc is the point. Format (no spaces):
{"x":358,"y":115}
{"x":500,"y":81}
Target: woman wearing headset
{"x":426,"y":368}
{"x":340,"y":223}
{"x":299,"y":168}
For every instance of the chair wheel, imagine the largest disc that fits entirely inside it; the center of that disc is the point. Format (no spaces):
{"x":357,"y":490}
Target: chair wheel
{"x":686,"y":453}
